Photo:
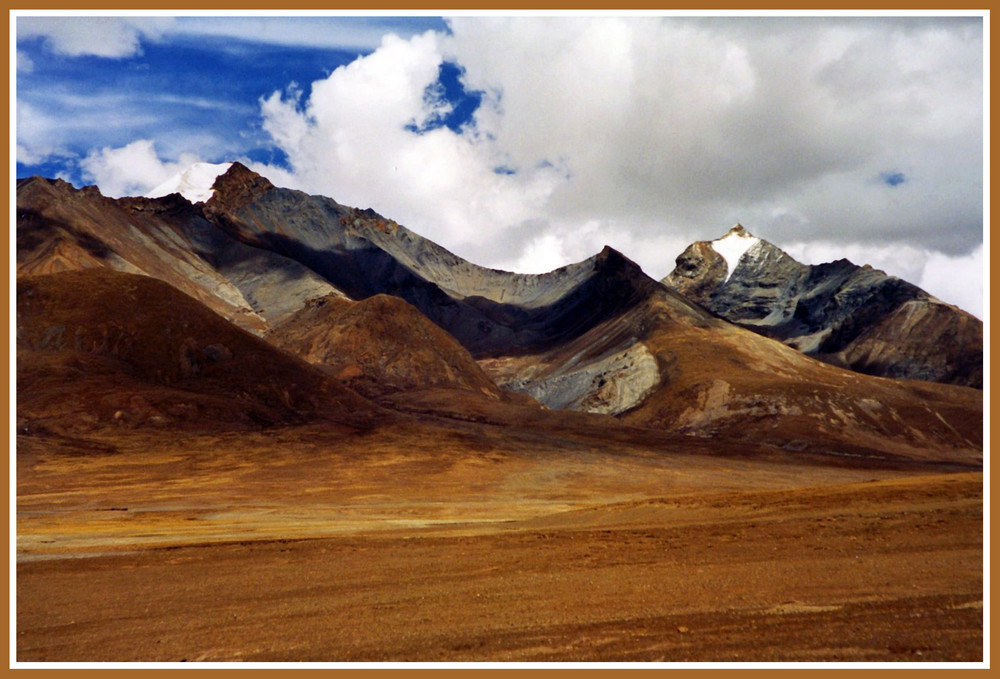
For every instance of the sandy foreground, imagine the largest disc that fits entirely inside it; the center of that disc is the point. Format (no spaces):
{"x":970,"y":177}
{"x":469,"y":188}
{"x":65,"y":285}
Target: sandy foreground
{"x":317,"y":545}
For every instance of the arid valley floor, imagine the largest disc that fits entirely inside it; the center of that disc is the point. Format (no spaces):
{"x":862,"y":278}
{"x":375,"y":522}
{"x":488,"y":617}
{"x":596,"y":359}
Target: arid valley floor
{"x":464,"y":541}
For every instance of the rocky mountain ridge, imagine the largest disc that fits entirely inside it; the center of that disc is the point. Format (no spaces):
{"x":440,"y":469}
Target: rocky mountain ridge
{"x":362,"y":253}
{"x":848,"y":315}
{"x":387,"y":314}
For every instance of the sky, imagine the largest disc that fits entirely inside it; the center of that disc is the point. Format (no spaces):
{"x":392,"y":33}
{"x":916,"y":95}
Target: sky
{"x":529,"y":142}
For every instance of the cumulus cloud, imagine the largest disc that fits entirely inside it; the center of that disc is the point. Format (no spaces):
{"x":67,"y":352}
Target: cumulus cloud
{"x":858,"y":138}
{"x":942,"y":277}
{"x":131,"y":170}
{"x":699,"y":122}
{"x":659,"y":131}
{"x":110,"y":37}
{"x":349,"y":139}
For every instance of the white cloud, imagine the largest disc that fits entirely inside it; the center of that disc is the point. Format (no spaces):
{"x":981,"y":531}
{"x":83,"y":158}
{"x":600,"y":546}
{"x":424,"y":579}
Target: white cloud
{"x":62,"y":124}
{"x":541,"y":254}
{"x":956,"y":280}
{"x":348,"y":140}
{"x":122,"y":36}
{"x":629,"y":107}
{"x":643,"y":133}
{"x":359,"y":33}
{"x":46,"y":132}
{"x":102,"y":36}
{"x":658,"y":130}
{"x":693,"y":121}
{"x":38,"y":135}
{"x":131,"y":170}
{"x":24,"y":63}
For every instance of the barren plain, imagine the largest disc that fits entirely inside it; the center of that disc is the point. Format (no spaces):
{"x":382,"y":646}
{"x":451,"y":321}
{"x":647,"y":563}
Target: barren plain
{"x":444,"y":540}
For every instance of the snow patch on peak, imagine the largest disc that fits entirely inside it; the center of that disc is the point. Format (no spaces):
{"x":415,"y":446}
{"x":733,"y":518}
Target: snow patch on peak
{"x":194,"y":183}
{"x":733,"y":245}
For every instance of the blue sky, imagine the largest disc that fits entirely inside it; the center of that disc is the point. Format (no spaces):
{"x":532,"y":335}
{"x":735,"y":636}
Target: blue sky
{"x":190,"y":92}
{"x":526,"y":142}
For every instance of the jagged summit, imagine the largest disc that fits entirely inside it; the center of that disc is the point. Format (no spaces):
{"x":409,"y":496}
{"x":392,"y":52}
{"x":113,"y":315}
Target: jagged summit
{"x":237,"y":187}
{"x":609,"y":256}
{"x":733,"y":246}
{"x":737,"y":230}
{"x":238,"y":173}
{"x":195,"y":183}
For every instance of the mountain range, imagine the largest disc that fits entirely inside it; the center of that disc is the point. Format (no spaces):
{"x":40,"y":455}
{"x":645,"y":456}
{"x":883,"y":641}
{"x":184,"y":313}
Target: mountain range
{"x":333,"y":312}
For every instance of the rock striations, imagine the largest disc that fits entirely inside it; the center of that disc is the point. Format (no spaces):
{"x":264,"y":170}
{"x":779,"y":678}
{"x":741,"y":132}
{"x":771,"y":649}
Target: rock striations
{"x":60,"y":228}
{"x":849,"y":315}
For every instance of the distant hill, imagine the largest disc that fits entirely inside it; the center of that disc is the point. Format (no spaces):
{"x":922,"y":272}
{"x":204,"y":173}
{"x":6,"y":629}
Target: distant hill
{"x":380,"y":345}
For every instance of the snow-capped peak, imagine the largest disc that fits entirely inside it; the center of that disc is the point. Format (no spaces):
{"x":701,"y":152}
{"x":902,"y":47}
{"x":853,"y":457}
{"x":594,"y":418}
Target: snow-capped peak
{"x":194,"y":183}
{"x":732,"y":246}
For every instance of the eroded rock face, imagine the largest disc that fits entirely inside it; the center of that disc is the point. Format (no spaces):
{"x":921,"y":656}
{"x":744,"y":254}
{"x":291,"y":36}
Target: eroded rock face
{"x":700,"y":270}
{"x":763,"y":289}
{"x":597,"y":335}
{"x":611,"y":384}
{"x":257,"y":254}
{"x":957,"y":337}
{"x":669,"y":364}
{"x":853,"y":316}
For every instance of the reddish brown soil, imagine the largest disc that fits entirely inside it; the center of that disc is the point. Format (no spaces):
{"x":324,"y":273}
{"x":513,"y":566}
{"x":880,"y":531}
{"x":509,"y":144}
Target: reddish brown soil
{"x":469,"y":544}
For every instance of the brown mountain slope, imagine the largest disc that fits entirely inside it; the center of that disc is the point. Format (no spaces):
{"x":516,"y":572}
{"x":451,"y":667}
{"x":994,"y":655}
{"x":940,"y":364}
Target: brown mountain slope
{"x":665,"y":364}
{"x":380,"y":345}
{"x":99,"y":348}
{"x":897,"y":345}
{"x":60,"y":228}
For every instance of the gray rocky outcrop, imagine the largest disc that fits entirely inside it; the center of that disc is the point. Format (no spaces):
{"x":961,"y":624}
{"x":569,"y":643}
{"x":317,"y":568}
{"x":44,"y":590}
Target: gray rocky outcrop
{"x":849,"y":315}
